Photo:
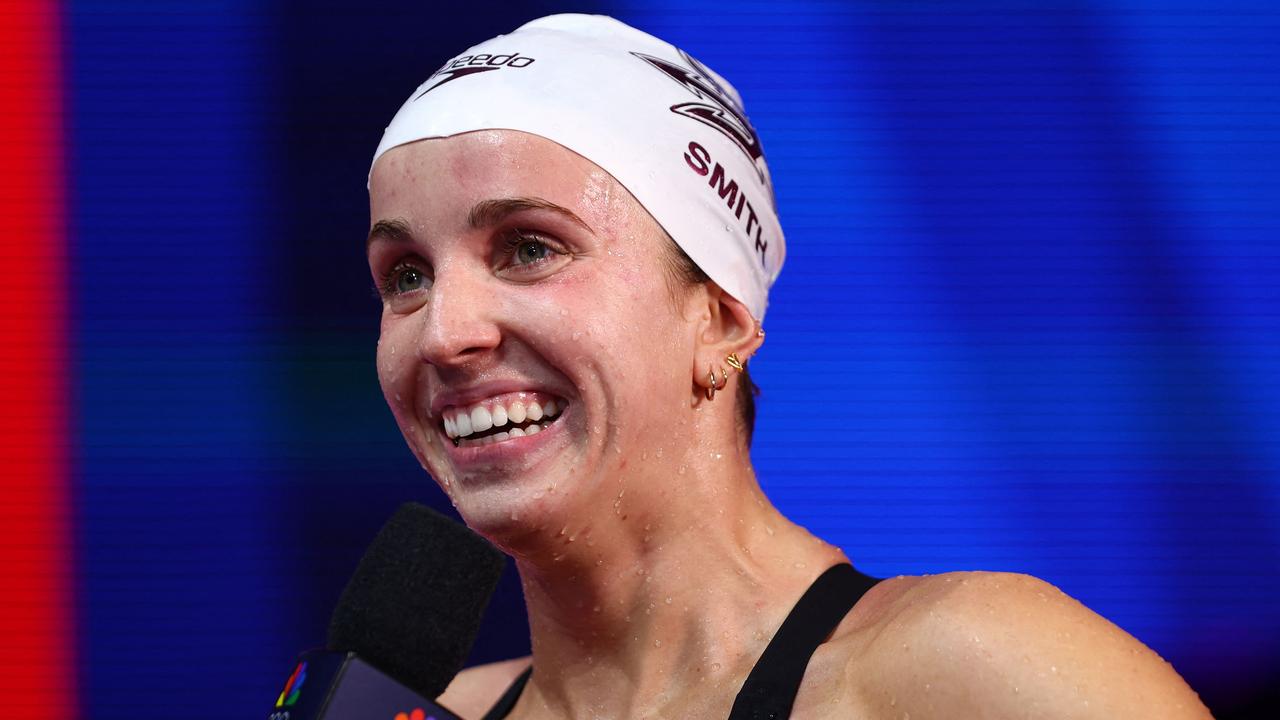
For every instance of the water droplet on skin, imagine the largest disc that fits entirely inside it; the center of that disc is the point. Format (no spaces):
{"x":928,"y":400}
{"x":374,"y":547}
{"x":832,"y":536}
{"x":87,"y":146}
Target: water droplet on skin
{"x":893,"y":701}
{"x":563,"y":312}
{"x":577,"y":335}
{"x":668,"y":601}
{"x":801,"y":566}
{"x":681,"y":470}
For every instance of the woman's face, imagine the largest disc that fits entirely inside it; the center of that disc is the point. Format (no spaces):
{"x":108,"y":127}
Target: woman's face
{"x":518,"y":277}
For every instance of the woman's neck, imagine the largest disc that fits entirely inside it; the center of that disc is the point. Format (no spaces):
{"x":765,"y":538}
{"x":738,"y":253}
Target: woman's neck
{"x":684,"y":594}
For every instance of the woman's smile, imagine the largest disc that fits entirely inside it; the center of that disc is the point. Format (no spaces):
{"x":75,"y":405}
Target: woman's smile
{"x":495,"y":419}
{"x":521,"y":445}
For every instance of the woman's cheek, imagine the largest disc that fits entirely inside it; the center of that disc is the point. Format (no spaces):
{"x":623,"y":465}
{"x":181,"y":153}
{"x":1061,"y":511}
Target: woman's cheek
{"x":393,"y":376}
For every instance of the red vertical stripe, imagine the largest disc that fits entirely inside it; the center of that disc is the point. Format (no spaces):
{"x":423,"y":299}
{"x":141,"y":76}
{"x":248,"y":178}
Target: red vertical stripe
{"x":37,"y":672}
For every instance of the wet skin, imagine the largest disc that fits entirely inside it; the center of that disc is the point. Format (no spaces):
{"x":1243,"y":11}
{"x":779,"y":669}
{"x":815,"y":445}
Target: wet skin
{"x":530,"y":300}
{"x":654,"y":569}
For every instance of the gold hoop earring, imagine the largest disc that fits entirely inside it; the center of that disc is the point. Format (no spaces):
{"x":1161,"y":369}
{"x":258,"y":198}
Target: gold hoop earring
{"x":712,"y":386}
{"x":734,"y":362}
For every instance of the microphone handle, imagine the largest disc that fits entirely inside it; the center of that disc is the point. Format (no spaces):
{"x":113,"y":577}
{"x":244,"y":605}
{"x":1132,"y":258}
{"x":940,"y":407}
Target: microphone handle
{"x":329,"y":685}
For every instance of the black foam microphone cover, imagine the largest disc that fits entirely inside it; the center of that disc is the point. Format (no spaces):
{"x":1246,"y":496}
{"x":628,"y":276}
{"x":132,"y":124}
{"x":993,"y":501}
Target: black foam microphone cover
{"x":415,"y":602}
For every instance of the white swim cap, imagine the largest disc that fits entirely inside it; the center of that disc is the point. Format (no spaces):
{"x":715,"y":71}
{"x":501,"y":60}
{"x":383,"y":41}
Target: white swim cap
{"x":662,"y":124}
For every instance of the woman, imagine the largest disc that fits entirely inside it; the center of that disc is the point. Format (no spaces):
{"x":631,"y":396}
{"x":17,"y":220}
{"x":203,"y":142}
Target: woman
{"x":573,"y":234}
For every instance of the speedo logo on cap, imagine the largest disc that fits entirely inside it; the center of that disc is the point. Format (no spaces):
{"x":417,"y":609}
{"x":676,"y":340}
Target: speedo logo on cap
{"x":465,"y":65}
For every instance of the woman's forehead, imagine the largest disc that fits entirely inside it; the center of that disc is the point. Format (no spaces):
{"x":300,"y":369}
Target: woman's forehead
{"x":440,"y":180}
{"x":440,"y":173}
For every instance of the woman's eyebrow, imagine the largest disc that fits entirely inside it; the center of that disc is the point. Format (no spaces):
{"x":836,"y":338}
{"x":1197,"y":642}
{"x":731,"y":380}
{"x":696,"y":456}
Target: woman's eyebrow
{"x":487,"y":213}
{"x":394,"y":230}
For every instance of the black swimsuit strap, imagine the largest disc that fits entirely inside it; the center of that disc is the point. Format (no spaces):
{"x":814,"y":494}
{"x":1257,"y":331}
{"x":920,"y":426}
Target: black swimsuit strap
{"x":770,"y":690}
{"x":503,"y":707}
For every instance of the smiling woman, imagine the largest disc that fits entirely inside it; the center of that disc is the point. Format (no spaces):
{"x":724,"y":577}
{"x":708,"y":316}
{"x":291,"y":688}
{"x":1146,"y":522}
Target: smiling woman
{"x":582,"y":412}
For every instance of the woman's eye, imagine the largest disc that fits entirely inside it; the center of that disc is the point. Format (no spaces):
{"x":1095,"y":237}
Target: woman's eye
{"x":403,"y":279}
{"x":409,"y":279}
{"x":525,"y":252}
{"x":531,"y":251}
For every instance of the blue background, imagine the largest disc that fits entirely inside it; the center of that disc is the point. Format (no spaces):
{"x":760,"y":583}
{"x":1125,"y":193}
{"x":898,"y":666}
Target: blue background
{"x":1028,"y":320}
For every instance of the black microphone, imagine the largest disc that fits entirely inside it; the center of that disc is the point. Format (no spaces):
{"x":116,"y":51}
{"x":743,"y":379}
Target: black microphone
{"x":403,"y":626}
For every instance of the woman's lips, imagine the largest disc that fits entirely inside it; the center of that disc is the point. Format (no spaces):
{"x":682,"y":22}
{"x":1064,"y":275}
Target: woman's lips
{"x":512,"y":447}
{"x":500,"y":418}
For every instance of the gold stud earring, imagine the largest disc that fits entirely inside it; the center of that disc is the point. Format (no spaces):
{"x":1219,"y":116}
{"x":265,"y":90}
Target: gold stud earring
{"x":734,"y":362}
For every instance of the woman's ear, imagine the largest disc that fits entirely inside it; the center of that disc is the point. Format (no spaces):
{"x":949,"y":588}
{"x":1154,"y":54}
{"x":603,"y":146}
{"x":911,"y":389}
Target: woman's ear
{"x":728,"y":333}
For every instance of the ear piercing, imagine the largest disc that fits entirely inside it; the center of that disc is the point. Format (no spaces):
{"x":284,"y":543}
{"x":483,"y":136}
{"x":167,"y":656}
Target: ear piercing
{"x":712,"y":387}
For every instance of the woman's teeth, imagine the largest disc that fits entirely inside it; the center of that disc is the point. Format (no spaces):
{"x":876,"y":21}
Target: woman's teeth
{"x":525,"y":417}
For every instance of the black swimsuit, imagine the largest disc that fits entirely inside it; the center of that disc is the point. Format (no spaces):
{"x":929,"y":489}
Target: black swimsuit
{"x":770,"y":689}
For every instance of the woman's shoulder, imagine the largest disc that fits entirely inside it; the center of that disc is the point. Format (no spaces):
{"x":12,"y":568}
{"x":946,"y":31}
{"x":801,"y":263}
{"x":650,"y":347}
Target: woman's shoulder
{"x":477,"y":688}
{"x":994,"y":645}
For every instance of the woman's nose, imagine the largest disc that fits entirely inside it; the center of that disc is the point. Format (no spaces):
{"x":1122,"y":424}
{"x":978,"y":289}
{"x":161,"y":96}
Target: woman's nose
{"x":460,"y":321}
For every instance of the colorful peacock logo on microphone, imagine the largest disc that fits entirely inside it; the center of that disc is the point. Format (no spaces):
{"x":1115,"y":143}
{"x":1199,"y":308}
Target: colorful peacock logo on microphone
{"x":293,"y":688}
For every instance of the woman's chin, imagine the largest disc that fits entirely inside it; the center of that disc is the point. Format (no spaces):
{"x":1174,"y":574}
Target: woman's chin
{"x":514,"y":517}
